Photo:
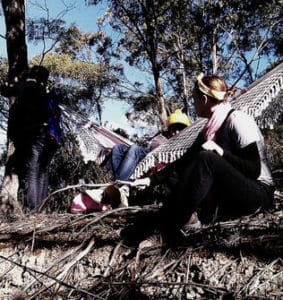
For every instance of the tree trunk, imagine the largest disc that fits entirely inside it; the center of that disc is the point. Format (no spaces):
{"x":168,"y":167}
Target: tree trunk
{"x":14,"y":12}
{"x":214,"y":54}
{"x":184,"y":76}
{"x":161,"y":101}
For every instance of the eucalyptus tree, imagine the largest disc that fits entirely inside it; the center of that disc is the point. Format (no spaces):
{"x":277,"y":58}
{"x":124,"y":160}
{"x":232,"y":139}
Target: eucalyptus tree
{"x":15,"y":19}
{"x":14,"y":13}
{"x":44,"y":28}
{"x":176,"y":39}
{"x":141,"y":27}
{"x":81,"y":53}
{"x":234,"y":39}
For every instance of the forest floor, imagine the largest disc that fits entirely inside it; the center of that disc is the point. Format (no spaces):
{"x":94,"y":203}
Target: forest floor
{"x":65,"y":256}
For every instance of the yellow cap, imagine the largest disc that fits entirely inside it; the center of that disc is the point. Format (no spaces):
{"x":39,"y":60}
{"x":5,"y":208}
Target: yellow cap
{"x":178,"y":117}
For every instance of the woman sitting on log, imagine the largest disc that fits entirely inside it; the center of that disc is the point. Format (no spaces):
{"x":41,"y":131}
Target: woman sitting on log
{"x":226,"y":167}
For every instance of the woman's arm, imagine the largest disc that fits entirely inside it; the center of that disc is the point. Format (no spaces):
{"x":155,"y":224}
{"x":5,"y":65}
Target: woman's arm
{"x":247,"y":160}
{"x":244,"y":134}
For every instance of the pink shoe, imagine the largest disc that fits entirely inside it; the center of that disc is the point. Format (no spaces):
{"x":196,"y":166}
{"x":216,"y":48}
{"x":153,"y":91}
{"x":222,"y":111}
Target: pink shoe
{"x":82,"y":203}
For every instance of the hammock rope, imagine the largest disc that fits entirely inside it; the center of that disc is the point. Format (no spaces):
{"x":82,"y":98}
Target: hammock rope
{"x":254,"y":101}
{"x":96,"y":141}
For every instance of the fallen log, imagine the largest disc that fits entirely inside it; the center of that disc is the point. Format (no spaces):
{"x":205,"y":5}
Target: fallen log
{"x":261,"y":231}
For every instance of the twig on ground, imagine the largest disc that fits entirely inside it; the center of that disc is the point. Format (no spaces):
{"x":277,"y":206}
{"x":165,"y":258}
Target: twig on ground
{"x":113,"y":260}
{"x":56,"y":263}
{"x":253,"y":282}
{"x":168,"y":283}
{"x":60,"y":277}
{"x":33,"y":271}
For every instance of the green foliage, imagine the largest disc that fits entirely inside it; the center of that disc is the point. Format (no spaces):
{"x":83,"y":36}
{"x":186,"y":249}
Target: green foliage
{"x":68,"y":168}
{"x":3,"y":69}
{"x":172,"y":41}
{"x":175,"y":40}
{"x":88,"y":78}
{"x":64,"y":65}
{"x":85,"y":84}
{"x":274,"y":135}
{"x":42,"y":29}
{"x":274,"y":141}
{"x":73,"y":43}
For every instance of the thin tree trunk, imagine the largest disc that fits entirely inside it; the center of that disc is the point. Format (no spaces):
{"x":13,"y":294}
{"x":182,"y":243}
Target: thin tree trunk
{"x":161,"y":101}
{"x":214,"y":54}
{"x":184,"y":77}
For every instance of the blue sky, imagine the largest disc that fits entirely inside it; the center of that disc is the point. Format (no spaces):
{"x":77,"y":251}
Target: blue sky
{"x":85,"y":18}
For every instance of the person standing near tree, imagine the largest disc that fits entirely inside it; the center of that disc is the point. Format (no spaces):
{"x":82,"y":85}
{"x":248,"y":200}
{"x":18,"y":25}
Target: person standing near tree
{"x":30,"y":130}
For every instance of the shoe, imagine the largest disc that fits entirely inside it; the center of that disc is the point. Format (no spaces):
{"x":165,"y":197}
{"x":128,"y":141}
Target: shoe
{"x":154,"y":240}
{"x":95,"y":194}
{"x":192,"y":225}
{"x":83,"y":203}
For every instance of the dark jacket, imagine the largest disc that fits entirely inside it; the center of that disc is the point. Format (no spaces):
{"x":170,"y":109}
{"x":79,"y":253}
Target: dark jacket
{"x":28,"y":114}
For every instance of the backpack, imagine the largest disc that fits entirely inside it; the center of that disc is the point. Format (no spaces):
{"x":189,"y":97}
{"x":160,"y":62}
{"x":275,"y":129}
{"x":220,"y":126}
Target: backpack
{"x":54,"y":116}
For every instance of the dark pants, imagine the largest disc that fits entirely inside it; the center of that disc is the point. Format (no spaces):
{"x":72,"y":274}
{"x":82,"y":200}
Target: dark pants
{"x":42,"y":152}
{"x":34,"y":157}
{"x":208,"y":175}
{"x":211,"y":175}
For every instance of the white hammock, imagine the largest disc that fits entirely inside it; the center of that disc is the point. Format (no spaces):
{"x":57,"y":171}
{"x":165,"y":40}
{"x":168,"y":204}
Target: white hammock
{"x":96,"y":141}
{"x":254,"y":101}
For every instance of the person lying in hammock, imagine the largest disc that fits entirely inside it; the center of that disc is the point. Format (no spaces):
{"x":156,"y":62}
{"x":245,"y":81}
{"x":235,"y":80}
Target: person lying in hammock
{"x":124,"y":159}
{"x":226,"y":167}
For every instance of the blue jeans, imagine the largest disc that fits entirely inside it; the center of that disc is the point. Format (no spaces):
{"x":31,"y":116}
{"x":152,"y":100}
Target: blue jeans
{"x":124,"y":160}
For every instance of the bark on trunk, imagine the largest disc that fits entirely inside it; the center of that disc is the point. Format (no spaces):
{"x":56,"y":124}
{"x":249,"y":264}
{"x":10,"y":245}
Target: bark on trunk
{"x":161,"y":101}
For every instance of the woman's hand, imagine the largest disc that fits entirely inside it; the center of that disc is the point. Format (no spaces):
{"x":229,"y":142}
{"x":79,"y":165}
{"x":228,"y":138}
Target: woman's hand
{"x":212,"y":146}
{"x":142,"y":183}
